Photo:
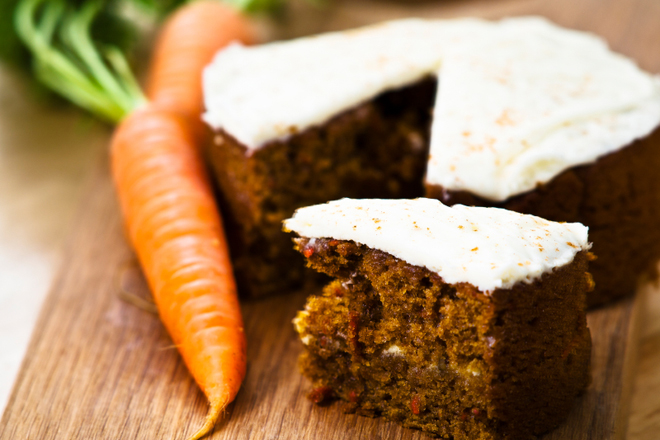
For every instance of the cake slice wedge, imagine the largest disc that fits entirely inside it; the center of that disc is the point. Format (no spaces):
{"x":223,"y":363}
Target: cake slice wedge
{"x":468,"y":323}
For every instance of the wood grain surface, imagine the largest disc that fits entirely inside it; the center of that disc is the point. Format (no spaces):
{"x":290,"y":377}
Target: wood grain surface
{"x":101,"y":368}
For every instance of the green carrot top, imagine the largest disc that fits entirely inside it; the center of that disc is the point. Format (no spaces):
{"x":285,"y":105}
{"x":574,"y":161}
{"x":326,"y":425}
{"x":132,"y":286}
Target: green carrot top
{"x":68,"y":59}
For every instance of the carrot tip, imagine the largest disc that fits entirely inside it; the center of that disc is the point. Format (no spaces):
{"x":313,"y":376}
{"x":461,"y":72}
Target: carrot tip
{"x":211,"y":418}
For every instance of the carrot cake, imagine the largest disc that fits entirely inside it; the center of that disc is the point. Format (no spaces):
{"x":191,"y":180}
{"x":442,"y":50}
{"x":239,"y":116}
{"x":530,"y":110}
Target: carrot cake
{"x":465,"y":322}
{"x":518,"y":113}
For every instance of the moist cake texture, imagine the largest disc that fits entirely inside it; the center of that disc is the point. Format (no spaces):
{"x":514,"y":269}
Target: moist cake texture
{"x":520,"y":104}
{"x":378,"y":149}
{"x":461,"y":359}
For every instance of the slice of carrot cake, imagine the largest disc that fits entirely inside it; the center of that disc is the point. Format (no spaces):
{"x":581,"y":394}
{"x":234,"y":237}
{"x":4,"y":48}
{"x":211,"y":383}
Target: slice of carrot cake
{"x":468,"y":323}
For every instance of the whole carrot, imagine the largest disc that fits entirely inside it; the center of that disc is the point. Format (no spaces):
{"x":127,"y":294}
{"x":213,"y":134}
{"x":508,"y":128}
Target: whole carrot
{"x":174,"y":226}
{"x":167,"y":202}
{"x":186,"y":44}
{"x":168,"y":206}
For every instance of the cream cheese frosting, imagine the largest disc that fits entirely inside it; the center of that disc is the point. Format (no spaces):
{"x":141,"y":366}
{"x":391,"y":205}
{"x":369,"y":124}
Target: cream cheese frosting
{"x":489,"y":248}
{"x":518,"y":109}
{"x":263,"y":93}
{"x":519,"y":100}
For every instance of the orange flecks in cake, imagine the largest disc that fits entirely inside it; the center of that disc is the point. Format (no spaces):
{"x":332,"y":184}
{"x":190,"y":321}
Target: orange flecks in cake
{"x":320,"y":394}
{"x":415,"y":404}
{"x":466,"y":133}
{"x":571,"y":244}
{"x":504,"y":119}
{"x":353,"y":330}
{"x":590,"y":282}
{"x":475,"y":249}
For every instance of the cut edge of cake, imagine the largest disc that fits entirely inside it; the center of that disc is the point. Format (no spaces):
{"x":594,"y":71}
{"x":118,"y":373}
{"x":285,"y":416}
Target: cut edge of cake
{"x":393,"y":339}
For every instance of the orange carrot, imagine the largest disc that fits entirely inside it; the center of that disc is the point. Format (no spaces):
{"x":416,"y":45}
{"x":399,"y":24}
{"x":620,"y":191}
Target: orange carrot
{"x":174,"y":226}
{"x":169,"y":208}
{"x":187,"y":43}
{"x":167,"y":202}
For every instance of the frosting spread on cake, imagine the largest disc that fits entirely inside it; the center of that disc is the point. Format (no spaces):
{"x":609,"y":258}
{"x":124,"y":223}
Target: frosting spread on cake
{"x":264,"y":93}
{"x":489,"y":248}
{"x":518,"y":109}
{"x":519,"y":100}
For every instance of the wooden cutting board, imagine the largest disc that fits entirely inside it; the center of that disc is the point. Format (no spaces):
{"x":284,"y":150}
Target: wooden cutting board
{"x":100,"y":368}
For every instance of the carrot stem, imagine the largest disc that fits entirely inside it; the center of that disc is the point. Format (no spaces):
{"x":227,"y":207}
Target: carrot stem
{"x":119,"y":64}
{"x":52,"y":14}
{"x":71,"y":65}
{"x":79,"y":40}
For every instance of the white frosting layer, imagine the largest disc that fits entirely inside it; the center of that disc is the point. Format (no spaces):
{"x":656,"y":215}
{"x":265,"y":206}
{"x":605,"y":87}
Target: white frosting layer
{"x":517,"y":110}
{"x":519,"y":100}
{"x":489,"y":248}
{"x":264,"y":93}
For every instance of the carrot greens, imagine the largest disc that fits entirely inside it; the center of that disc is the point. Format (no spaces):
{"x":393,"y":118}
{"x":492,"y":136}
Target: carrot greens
{"x":67,"y":60}
{"x":79,"y":49}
